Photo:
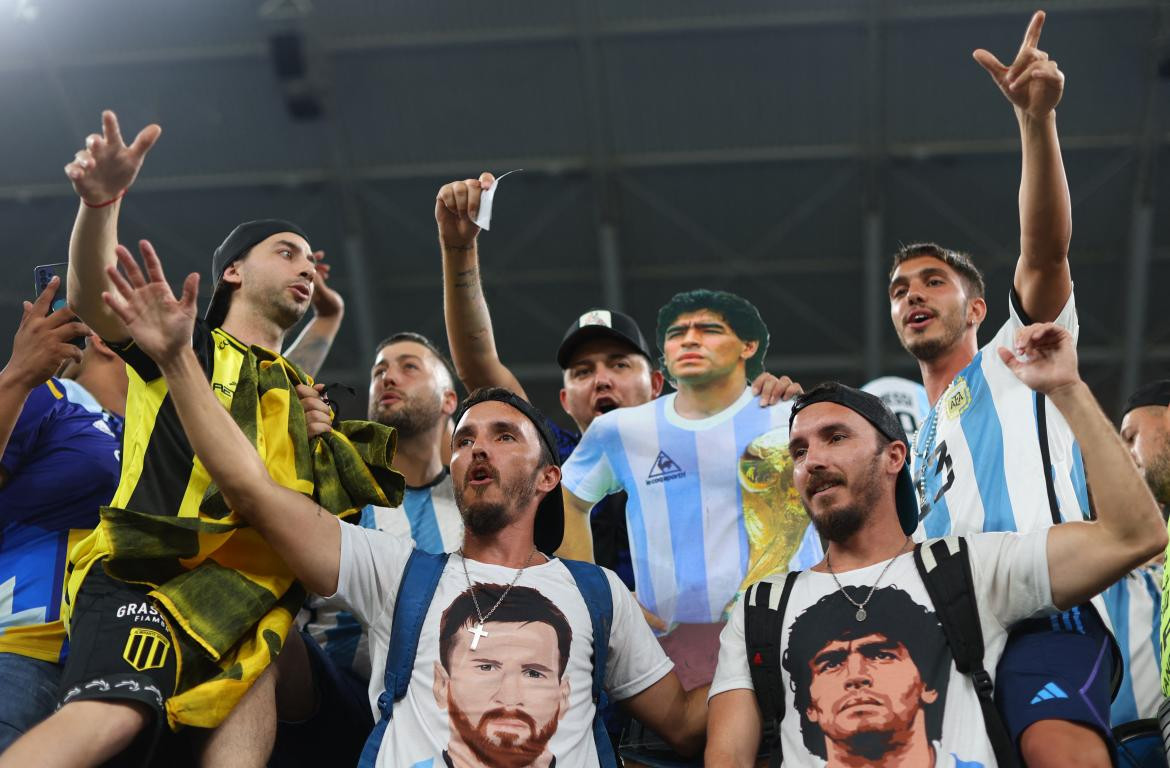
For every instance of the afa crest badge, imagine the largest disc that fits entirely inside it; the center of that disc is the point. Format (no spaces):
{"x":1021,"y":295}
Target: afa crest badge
{"x":957,"y":398}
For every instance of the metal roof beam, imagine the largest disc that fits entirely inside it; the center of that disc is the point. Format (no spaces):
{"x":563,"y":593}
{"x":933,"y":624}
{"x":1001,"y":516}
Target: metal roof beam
{"x":557,"y":165}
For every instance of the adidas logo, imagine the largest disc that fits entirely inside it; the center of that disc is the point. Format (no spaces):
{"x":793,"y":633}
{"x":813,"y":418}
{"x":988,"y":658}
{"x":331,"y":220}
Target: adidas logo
{"x":1048,"y":692}
{"x":664,"y":469}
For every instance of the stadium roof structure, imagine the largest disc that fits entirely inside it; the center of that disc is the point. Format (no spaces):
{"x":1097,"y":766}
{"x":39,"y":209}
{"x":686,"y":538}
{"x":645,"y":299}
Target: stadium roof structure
{"x":778,"y":149}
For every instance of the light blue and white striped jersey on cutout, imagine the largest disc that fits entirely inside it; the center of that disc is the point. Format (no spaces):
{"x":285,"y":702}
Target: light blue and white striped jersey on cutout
{"x":710,"y":502}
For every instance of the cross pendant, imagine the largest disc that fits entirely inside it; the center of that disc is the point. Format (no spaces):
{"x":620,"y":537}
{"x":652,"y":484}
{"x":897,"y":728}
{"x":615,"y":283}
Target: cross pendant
{"x":479,"y":632}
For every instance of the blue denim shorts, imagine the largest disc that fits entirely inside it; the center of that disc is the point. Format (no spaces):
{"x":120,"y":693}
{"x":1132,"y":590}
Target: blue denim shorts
{"x":28,"y":694}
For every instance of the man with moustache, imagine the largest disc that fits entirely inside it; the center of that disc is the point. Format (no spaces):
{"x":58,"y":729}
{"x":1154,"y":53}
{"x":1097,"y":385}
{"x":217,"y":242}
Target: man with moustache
{"x":693,"y":464}
{"x":412,"y":388}
{"x":147,"y":585}
{"x":603,"y":355}
{"x":325,"y":716}
{"x":850,"y":456}
{"x":506,"y":714}
{"x":506,"y":480}
{"x":992,"y":455}
{"x":604,"y":358}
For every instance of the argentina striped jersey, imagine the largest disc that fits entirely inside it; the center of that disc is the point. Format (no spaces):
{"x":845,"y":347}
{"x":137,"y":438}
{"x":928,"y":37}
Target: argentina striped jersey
{"x":1133,"y":605}
{"x":710,"y":502}
{"x":999,"y":457}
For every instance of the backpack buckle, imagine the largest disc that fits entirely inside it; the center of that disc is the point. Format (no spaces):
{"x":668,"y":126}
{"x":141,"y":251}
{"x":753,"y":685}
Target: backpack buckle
{"x":983,"y":684}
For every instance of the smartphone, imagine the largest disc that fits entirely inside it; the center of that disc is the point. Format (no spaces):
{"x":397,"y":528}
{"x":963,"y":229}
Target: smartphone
{"x":41,"y":277}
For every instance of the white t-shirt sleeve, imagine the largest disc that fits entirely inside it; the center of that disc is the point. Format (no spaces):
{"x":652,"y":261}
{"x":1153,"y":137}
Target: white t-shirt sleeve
{"x":1010,"y":572}
{"x":732,"y":671}
{"x":1066,"y":319}
{"x":636,"y":659}
{"x":588,"y":474}
{"x":372,"y":563}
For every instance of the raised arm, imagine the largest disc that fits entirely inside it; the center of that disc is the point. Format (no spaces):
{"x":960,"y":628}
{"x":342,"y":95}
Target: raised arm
{"x":469,"y":324}
{"x":1086,"y":557}
{"x":304,"y":535}
{"x":41,"y":344}
{"x":316,"y":339}
{"x":101,"y":173}
{"x":1034,"y":84}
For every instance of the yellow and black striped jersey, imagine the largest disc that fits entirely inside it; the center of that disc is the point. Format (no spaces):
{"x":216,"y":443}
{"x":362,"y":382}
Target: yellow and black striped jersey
{"x":160,"y":473}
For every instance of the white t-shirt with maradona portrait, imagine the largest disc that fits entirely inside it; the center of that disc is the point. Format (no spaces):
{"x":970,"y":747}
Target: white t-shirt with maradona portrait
{"x":527,"y":683}
{"x":849,"y":683}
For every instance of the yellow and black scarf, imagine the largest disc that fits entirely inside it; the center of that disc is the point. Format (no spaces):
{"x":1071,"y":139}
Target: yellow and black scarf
{"x":230,"y":600}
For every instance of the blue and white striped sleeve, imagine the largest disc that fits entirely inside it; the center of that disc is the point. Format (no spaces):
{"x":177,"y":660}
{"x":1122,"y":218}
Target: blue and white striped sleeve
{"x":588,"y":474}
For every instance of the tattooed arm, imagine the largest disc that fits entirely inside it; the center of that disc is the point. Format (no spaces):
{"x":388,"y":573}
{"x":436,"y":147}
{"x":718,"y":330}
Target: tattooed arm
{"x":469,"y":324}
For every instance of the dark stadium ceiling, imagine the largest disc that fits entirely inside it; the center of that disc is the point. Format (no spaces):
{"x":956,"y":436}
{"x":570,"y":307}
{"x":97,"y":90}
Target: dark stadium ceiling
{"x":777,"y":148}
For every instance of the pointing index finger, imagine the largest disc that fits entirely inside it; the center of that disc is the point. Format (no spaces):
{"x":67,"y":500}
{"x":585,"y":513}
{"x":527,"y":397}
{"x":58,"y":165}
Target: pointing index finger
{"x":1032,"y":36}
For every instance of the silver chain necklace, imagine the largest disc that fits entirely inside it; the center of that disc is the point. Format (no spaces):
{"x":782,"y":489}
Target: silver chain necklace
{"x":478,"y":629}
{"x":861,"y":614}
{"x":924,"y":455}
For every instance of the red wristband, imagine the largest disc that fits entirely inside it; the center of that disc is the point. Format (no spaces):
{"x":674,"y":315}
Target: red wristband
{"x":111,"y":201}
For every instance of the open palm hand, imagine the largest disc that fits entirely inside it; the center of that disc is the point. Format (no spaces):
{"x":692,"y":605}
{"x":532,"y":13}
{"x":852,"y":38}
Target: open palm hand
{"x":160,"y":324}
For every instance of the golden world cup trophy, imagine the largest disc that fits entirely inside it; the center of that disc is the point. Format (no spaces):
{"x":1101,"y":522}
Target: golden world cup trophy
{"x":772,"y":511}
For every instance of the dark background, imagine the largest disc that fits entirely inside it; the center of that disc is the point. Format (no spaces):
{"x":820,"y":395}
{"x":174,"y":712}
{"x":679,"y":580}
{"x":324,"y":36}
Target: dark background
{"x":778,"y":149}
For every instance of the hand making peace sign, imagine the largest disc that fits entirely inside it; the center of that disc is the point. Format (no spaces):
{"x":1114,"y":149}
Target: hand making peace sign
{"x":107,"y":167}
{"x":1033,"y":83}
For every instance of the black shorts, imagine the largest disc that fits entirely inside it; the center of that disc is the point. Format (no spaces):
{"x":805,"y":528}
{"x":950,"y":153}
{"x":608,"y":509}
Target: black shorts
{"x":120,"y":647}
{"x":337,"y":730}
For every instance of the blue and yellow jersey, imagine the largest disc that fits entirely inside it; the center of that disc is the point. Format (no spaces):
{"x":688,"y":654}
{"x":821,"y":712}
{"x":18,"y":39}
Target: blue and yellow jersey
{"x":61,"y":464}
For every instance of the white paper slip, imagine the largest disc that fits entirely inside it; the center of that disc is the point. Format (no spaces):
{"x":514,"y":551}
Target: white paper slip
{"x":484,"y":219}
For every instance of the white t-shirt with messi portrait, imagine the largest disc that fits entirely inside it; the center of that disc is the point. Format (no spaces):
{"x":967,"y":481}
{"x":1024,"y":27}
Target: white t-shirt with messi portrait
{"x":528,"y":682}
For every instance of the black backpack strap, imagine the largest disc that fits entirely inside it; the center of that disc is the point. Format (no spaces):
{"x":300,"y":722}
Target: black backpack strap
{"x":764,"y":605}
{"x":945,"y":568}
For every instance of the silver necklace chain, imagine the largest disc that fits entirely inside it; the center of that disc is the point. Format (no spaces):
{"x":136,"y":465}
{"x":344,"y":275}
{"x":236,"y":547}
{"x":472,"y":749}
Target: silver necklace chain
{"x":861,"y":614}
{"x":924,"y":455}
{"x":478,"y":631}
